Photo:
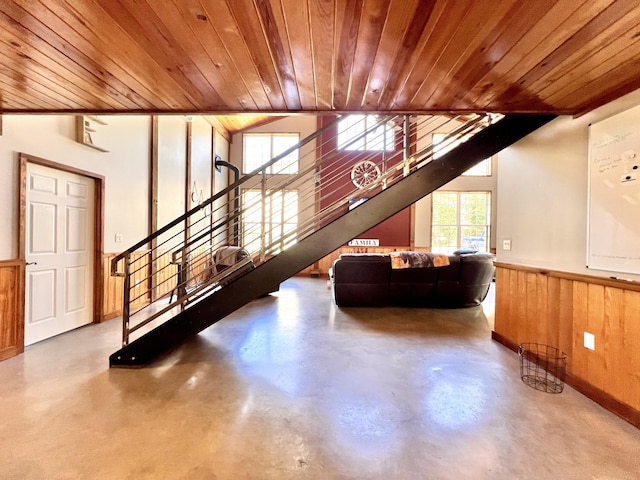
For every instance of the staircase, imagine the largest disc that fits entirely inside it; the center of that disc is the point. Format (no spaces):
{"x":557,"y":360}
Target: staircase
{"x":285,"y":233}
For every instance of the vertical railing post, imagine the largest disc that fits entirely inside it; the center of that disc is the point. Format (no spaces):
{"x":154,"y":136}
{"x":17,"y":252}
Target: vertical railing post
{"x":126,"y":307}
{"x":183,"y":272}
{"x":407,"y":143}
{"x":263,"y":218}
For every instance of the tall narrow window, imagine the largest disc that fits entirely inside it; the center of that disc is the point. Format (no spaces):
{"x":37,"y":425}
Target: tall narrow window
{"x":460,"y":220}
{"x":278,"y":211}
{"x":259,"y":148}
{"x":365,"y":132}
{"x":440,"y":147}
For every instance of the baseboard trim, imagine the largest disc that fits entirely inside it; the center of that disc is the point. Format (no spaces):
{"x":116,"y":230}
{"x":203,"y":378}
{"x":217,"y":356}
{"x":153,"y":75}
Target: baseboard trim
{"x":602,"y":398}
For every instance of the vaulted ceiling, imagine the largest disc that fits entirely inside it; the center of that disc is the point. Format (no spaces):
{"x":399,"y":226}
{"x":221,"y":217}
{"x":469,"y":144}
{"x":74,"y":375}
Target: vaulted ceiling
{"x":258,"y":56}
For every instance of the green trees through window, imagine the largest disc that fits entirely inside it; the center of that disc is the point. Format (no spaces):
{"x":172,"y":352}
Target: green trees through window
{"x":460,"y":220}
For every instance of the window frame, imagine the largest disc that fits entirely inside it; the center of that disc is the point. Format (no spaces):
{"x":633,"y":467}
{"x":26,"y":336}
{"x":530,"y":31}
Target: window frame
{"x":276,"y":168}
{"x":459,"y":226}
{"x":366,"y":121}
{"x":250,"y":236}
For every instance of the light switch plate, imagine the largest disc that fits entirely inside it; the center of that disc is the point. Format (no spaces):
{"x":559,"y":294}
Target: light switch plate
{"x":589,"y":341}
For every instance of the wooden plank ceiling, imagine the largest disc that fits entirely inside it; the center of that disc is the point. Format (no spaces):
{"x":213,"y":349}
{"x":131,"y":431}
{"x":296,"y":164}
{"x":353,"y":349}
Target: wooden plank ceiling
{"x":259,"y":56}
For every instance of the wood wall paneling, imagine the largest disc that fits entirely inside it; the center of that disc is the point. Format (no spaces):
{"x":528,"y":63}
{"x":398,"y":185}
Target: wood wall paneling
{"x":557,"y":308}
{"x":114,"y":286}
{"x":11,"y":309}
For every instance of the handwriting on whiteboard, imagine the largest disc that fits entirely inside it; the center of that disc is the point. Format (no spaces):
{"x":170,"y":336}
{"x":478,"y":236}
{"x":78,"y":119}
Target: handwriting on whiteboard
{"x":625,"y":163}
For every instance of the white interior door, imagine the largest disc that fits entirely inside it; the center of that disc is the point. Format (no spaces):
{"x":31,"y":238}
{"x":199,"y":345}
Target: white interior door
{"x":59,"y":234}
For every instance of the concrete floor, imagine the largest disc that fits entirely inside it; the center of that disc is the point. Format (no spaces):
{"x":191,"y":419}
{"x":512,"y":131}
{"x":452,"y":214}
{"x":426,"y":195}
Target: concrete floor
{"x":293,"y":387}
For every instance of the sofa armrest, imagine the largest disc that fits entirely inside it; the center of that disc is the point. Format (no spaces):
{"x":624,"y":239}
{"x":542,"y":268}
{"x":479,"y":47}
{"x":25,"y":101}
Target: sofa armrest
{"x":361,"y":280}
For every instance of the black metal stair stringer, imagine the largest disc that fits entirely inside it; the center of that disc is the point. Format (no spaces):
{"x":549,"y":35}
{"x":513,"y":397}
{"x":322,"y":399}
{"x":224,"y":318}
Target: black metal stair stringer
{"x":269,"y":274}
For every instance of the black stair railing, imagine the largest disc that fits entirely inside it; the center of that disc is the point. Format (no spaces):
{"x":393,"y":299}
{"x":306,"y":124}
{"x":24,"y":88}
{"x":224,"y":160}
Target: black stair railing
{"x":173,"y":269}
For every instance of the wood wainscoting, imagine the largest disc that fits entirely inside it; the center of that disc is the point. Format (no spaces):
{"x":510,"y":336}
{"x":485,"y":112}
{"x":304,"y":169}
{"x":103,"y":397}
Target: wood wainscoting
{"x":557,"y":308}
{"x":11,"y":308}
{"x":322,"y":266}
{"x":114,"y":286}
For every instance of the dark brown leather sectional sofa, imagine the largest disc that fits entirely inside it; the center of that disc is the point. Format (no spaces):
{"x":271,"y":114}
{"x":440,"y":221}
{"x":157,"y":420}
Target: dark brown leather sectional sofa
{"x":367,"y":280}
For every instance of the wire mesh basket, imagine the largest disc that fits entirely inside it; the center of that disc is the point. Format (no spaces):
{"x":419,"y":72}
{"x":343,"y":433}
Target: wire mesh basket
{"x":542,"y":367}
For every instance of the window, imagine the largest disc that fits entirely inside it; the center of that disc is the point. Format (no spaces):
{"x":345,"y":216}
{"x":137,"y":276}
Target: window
{"x":259,"y":148}
{"x":352,"y":136}
{"x":460,"y":220}
{"x":482,"y":169}
{"x":280,"y":220}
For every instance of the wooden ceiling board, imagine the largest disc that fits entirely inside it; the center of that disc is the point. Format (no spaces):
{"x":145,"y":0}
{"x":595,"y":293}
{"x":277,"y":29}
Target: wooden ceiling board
{"x":181,"y":23}
{"x":50,"y":78}
{"x":317,"y":56}
{"x":221,"y":67}
{"x":590,"y":35}
{"x":468,"y":48}
{"x":388,"y":53}
{"x":348,"y":16}
{"x":144,"y":27}
{"x":516,"y":47}
{"x":55,"y":54}
{"x":249,"y":25}
{"x":426,"y":37}
{"x":18,"y":88}
{"x":624,"y":73}
{"x":232,"y":52}
{"x":275,"y":33}
{"x":322,"y":29}
{"x":84,"y":34}
{"x":621,"y":88}
{"x":494,"y":47}
{"x":89,"y":28}
{"x":40,"y":85}
{"x":545,"y":49}
{"x":298,"y":30}
{"x":367,"y":45}
{"x":605,"y":51}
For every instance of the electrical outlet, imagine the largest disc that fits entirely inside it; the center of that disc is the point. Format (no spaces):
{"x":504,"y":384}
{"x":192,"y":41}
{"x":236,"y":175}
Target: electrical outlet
{"x":506,"y":244}
{"x":118,"y":238}
{"x":589,"y":341}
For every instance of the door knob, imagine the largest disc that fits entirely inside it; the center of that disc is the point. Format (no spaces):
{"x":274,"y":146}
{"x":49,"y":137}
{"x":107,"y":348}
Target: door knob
{"x":32,"y":263}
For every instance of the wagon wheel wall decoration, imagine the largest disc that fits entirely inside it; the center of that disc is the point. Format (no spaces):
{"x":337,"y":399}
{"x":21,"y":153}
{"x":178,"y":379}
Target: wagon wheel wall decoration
{"x":364,"y":173}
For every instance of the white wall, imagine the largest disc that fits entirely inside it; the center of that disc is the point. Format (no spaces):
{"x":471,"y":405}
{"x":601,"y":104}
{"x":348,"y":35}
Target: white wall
{"x":125,"y":168}
{"x":222,"y":180}
{"x":52,"y":137}
{"x":542,"y":203}
{"x":172,"y":138}
{"x":201,"y":159}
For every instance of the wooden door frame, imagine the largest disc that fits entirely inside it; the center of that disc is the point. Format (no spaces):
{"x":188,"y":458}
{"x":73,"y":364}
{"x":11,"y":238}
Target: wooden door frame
{"x":98,"y":231}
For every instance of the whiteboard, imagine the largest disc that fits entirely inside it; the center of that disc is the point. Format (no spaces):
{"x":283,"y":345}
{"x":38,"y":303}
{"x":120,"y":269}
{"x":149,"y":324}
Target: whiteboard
{"x":613,"y":238}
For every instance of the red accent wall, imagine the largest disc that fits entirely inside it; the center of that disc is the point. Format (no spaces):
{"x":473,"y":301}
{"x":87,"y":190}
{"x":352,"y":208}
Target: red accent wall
{"x":396,"y":230}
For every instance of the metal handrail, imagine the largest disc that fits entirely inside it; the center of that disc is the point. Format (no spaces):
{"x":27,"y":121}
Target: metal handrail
{"x":184,"y":264}
{"x":217,"y":196}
